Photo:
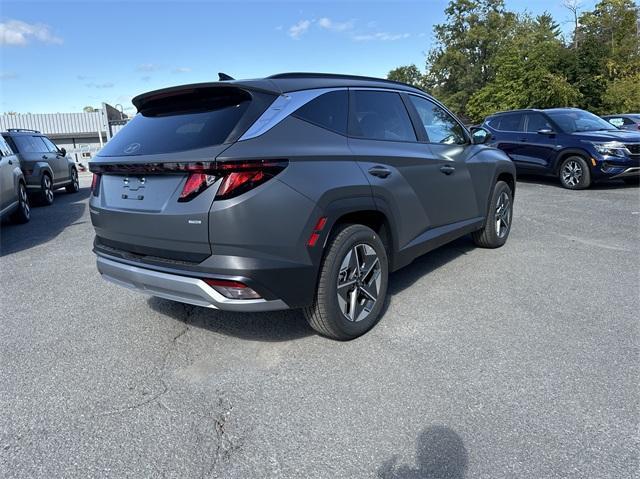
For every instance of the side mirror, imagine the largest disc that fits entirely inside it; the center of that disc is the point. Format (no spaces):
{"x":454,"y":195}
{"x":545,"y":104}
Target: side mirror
{"x":546,"y":131}
{"x":63,"y":152}
{"x":479,"y":135}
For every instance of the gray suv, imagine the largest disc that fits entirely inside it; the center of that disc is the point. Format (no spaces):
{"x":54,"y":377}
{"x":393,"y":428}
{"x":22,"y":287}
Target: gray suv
{"x":14,"y":201}
{"x":299,"y":190}
{"x":45,"y":166}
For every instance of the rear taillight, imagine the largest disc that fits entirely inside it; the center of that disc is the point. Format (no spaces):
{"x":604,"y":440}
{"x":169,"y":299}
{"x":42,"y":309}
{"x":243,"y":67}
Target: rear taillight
{"x":232,"y":289}
{"x":236,"y":177}
{"x":240,"y":177}
{"x":95,"y":184}
{"x":196,"y":183}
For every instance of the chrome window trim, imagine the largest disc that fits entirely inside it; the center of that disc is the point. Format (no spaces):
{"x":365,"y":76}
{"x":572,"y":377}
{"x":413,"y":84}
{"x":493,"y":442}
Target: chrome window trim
{"x":281,"y":108}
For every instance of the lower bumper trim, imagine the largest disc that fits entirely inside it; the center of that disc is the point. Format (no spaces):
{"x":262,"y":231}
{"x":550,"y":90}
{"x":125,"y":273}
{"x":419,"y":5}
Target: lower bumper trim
{"x":183,"y":289}
{"x":633,"y":171}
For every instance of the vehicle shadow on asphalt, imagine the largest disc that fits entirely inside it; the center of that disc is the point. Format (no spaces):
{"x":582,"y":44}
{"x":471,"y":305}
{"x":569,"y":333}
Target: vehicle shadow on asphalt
{"x":551,"y":181}
{"x":440,"y":454}
{"x":290,"y":325}
{"x":46,"y":223}
{"x":425,"y":264}
{"x":272,"y":326}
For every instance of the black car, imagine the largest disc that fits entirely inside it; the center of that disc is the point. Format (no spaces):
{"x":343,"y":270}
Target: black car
{"x":574,"y":145}
{"x":292,"y":191}
{"x":45,"y":166}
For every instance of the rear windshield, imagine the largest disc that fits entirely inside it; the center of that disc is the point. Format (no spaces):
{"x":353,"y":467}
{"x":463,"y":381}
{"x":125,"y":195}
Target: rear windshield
{"x":176,"y":125}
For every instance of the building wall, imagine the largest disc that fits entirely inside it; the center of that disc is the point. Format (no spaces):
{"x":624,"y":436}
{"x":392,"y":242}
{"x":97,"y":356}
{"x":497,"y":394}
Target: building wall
{"x":78,"y":133}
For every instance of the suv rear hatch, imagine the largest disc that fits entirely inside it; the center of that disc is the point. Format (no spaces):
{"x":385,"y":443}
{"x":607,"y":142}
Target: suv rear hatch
{"x":155,"y":181}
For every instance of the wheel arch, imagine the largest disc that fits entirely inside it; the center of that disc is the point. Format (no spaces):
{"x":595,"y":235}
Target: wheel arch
{"x":567,"y":152}
{"x":362,"y":211}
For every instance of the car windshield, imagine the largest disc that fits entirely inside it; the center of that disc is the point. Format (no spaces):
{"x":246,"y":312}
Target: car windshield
{"x":571,"y":121}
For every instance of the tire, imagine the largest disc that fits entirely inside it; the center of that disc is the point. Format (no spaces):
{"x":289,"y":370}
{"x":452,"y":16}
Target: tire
{"x":633,"y":180}
{"x":23,"y":213}
{"x":574,"y":173}
{"x":333,"y":313}
{"x":74,"y":186}
{"x":499,"y":217}
{"x":46,"y":190}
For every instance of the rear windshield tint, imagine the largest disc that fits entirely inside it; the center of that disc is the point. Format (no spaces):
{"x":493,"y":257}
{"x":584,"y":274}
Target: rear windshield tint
{"x":179,"y":124}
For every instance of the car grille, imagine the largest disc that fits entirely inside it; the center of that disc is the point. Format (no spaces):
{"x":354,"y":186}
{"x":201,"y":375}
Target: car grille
{"x":634,"y":148}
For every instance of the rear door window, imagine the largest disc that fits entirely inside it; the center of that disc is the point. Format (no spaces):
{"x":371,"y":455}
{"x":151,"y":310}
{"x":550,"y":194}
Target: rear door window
{"x":378,"y":115}
{"x":511,"y":122}
{"x":30,"y":144}
{"x":329,"y":111}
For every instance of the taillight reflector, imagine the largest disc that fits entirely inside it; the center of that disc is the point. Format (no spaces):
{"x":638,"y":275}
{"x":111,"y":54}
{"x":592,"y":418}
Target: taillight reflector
{"x":232,"y":289}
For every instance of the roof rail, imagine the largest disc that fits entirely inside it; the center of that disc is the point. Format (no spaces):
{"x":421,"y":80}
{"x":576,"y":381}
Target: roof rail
{"x":336,"y":76}
{"x":22,"y":129}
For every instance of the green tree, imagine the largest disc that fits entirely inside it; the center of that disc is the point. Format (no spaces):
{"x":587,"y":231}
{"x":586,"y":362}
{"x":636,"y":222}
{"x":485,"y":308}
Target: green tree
{"x":608,"y":52}
{"x":409,"y":74}
{"x":622,"y":95}
{"x":528,"y":72}
{"x":462,"y":60}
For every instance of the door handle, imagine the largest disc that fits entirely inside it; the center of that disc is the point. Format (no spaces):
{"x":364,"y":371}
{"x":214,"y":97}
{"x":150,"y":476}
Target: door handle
{"x":447,"y":170}
{"x":44,"y":157}
{"x":523,"y":139}
{"x":11,"y":162}
{"x":379,"y":171}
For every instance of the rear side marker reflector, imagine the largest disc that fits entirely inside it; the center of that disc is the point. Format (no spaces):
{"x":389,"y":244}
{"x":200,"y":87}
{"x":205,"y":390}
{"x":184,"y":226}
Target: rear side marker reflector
{"x":315,"y":236}
{"x":232,"y":289}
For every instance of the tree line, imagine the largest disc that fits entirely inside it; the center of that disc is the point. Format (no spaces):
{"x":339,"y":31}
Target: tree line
{"x":486,"y":58}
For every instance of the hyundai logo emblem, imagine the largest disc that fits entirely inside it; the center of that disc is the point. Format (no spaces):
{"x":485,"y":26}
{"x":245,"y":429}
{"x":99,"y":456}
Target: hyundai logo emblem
{"x":132,"y":148}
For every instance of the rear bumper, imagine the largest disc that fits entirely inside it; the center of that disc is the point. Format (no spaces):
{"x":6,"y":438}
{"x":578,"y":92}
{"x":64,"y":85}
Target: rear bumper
{"x":180,"y":288}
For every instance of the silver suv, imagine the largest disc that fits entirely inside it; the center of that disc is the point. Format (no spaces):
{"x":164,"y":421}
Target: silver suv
{"x":14,"y":201}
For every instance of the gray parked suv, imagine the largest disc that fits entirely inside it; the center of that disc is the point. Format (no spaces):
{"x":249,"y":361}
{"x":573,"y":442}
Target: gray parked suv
{"x":13,"y":190}
{"x":45,"y":166}
{"x":298,"y":190}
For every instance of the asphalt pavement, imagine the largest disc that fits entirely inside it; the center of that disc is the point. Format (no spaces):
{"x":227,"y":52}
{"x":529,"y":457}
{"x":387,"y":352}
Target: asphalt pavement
{"x":520,"y":362}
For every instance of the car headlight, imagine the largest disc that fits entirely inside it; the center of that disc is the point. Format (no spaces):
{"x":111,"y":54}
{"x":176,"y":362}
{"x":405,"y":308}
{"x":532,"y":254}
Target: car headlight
{"x":612,"y":148}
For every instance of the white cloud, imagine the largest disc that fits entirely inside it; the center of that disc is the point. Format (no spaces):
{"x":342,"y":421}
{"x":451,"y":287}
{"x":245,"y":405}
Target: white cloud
{"x":8,"y":75}
{"x":148,"y":67}
{"x":299,"y":28}
{"x":383,"y":36}
{"x":17,"y":32}
{"x":99,"y":85}
{"x":181,"y":70}
{"x":329,"y":24}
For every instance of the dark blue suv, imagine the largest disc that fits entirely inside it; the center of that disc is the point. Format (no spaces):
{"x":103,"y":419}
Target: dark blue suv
{"x":576,"y":146}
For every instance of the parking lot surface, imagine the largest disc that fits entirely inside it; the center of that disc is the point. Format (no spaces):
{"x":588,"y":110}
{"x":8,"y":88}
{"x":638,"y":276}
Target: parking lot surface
{"x":516,"y":362}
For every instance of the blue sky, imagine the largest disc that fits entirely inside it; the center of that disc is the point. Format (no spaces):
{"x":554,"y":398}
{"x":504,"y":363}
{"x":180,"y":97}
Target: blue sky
{"x":62,"y":56}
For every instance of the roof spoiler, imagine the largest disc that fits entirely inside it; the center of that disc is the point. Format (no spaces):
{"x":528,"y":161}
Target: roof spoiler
{"x":146,"y":99}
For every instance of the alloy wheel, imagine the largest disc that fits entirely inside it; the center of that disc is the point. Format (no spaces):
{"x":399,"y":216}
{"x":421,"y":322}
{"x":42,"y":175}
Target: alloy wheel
{"x":46,"y":186}
{"x":503,"y":214}
{"x":74,"y":179}
{"x":572,"y":173}
{"x":359,"y":281}
{"x":24,"y":201}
